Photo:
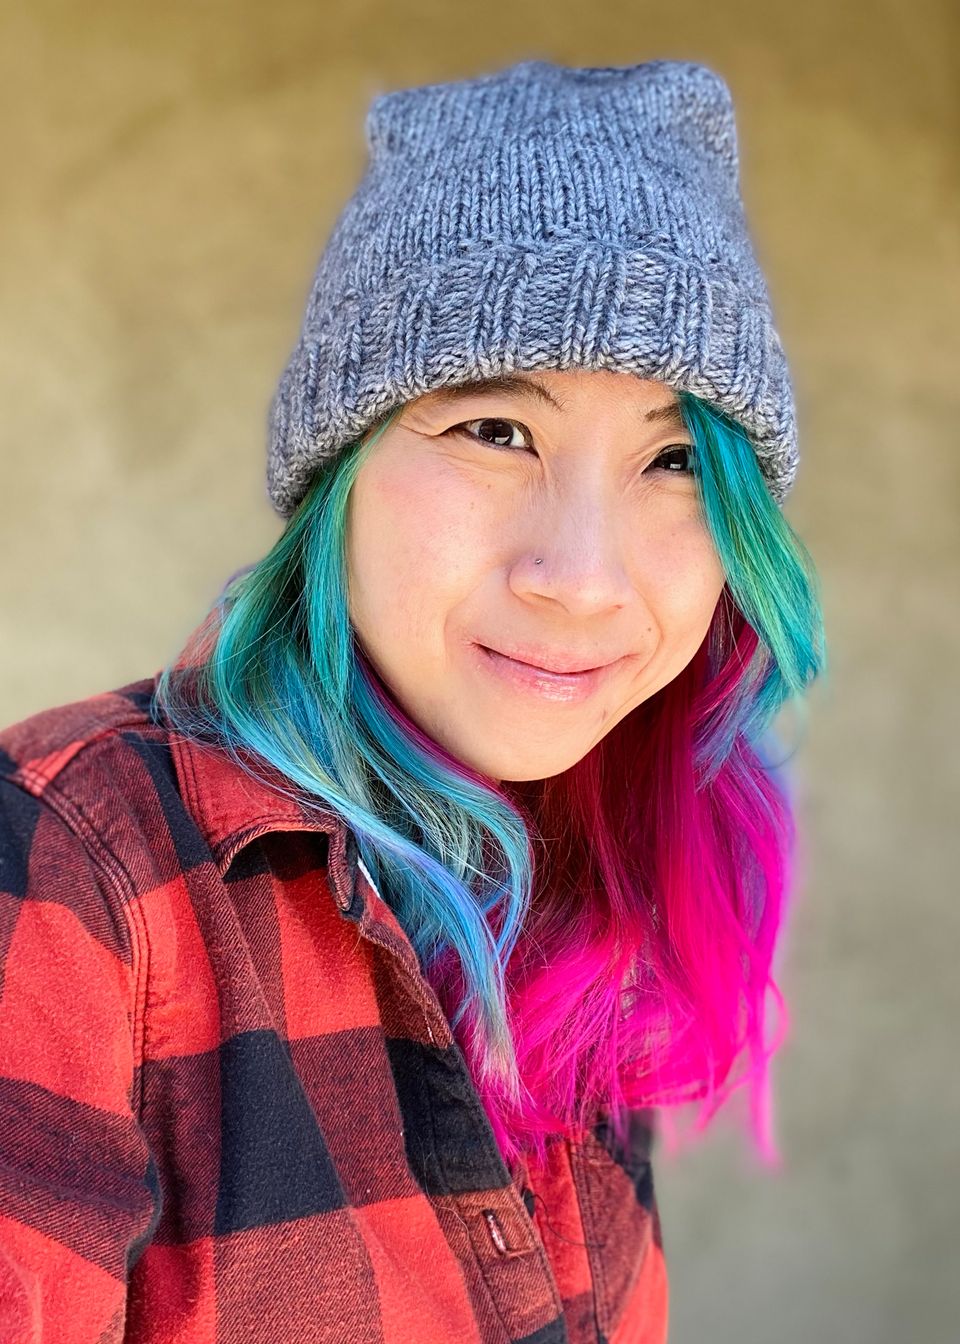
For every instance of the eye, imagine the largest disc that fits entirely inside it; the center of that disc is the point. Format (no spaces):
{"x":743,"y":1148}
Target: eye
{"x":685,"y":467}
{"x":492,"y":430}
{"x":678,"y":460}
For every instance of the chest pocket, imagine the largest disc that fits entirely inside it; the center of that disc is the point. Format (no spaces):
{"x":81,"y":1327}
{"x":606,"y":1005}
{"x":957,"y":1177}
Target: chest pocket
{"x":619,"y":1210}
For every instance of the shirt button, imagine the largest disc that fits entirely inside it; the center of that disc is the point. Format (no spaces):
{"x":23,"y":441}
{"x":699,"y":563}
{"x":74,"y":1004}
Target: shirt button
{"x":527,"y":1196}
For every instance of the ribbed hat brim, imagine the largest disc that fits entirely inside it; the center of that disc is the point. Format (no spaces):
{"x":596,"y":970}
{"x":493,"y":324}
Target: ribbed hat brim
{"x":491,"y":309}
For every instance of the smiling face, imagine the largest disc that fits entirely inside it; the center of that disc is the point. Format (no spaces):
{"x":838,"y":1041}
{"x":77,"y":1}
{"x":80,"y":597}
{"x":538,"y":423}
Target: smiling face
{"x":586,"y":471}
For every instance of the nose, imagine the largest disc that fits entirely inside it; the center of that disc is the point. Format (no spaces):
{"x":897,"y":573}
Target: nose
{"x":582,"y":565}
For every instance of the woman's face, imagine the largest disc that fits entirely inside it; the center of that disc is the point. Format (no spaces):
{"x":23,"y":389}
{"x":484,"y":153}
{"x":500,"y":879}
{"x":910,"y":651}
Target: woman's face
{"x":464,"y":491}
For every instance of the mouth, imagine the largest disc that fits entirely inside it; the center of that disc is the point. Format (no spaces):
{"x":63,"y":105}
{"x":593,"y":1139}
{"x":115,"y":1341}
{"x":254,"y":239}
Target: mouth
{"x":561,"y":687}
{"x":544,"y":661}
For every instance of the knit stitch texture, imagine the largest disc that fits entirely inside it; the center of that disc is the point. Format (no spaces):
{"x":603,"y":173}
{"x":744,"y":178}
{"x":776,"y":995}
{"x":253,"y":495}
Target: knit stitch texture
{"x":540,"y":217}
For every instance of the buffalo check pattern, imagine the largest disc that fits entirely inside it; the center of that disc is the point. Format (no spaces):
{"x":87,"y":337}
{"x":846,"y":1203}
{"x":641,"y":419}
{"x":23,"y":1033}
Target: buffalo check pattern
{"x":231,"y":1107}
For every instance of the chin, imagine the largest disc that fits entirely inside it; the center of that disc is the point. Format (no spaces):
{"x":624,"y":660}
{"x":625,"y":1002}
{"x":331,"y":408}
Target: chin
{"x":510,"y":772}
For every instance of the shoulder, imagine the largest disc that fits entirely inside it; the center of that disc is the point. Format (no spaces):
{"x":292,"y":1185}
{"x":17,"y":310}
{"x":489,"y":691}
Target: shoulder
{"x":36,"y":751}
{"x":98,"y":768}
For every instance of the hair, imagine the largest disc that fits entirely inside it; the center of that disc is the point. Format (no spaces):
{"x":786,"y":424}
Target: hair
{"x":601,"y":940}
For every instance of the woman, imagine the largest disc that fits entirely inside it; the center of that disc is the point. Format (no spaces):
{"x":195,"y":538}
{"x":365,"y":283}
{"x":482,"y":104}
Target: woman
{"x":350,"y":957}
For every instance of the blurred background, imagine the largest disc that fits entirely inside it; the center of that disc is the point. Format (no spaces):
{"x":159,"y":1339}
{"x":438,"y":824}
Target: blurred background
{"x":170,"y":174}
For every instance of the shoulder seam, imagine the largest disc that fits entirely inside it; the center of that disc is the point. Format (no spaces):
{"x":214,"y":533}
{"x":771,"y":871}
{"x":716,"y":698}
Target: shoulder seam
{"x":37,"y":784}
{"x":77,"y":821}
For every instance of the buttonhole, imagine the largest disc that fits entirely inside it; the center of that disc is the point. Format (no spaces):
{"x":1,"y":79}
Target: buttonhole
{"x":496,"y":1231}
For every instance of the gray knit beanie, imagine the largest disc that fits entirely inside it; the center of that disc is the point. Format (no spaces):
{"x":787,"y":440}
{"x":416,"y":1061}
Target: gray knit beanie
{"x":541,"y":217}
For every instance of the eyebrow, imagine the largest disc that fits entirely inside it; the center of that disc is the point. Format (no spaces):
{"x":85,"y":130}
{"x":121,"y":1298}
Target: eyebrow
{"x":533,"y":390}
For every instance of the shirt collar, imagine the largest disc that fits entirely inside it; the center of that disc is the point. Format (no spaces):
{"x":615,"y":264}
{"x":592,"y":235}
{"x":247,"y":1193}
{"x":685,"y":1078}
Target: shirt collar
{"x":232,"y":808}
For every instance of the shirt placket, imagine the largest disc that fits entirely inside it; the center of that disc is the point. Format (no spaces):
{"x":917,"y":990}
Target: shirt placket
{"x":490,"y":1228}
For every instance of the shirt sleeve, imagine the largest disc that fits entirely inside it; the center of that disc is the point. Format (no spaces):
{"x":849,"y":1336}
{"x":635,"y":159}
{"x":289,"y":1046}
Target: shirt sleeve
{"x":79,"y":1196}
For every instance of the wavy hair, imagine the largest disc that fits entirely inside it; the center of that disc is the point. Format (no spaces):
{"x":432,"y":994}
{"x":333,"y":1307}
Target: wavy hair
{"x":601,"y":940}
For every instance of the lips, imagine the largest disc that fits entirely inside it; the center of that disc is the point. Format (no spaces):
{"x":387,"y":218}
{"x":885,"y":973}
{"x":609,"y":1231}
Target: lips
{"x":544,"y":662}
{"x":533,"y":680}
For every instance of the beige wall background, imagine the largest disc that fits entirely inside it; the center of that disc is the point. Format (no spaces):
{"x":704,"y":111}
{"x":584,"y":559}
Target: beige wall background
{"x":170,"y":174}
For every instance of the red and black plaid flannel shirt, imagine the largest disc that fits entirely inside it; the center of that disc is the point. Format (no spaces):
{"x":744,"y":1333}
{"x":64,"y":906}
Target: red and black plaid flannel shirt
{"x":231,"y":1107}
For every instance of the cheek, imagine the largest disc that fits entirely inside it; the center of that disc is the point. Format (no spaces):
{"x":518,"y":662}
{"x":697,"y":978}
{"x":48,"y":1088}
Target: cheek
{"x":685,"y":580}
{"x":413,"y":546}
